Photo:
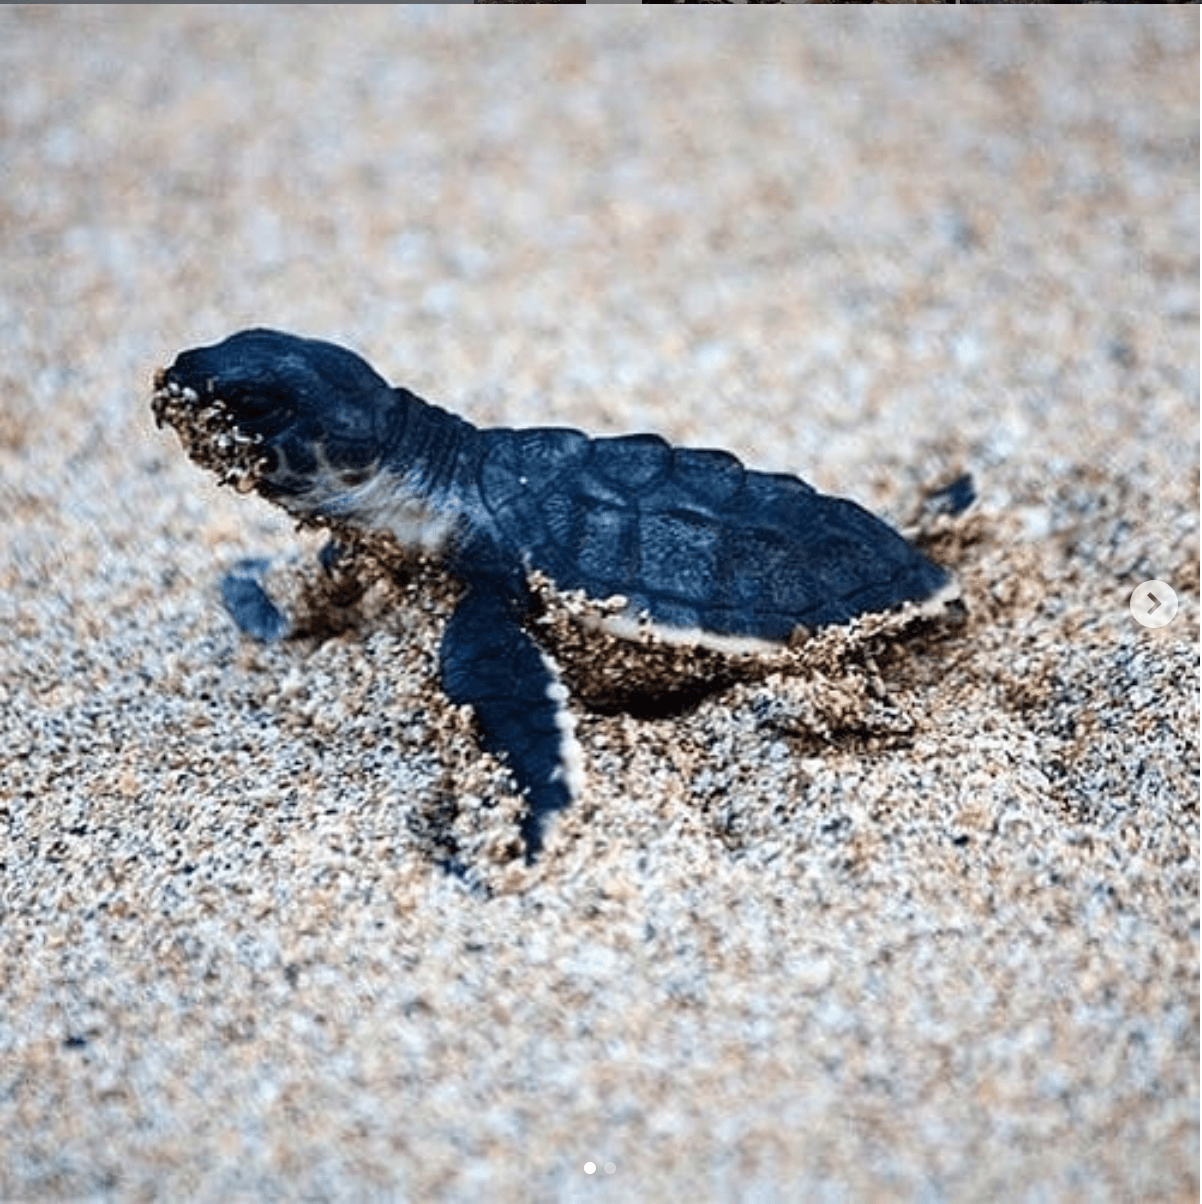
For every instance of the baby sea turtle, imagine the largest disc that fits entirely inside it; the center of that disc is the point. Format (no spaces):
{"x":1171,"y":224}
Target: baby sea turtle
{"x":637,"y":573}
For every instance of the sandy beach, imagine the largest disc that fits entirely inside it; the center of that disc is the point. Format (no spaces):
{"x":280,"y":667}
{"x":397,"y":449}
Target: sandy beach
{"x":923,"y":925}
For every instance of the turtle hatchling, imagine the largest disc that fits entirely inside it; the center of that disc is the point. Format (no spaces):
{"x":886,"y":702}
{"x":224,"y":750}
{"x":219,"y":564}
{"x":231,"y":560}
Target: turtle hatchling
{"x":627,"y":572}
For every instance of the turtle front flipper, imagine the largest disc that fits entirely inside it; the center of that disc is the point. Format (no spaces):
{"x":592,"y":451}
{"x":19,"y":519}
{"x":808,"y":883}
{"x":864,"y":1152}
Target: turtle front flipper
{"x":489,"y":662}
{"x":250,"y":605}
{"x":329,"y":594}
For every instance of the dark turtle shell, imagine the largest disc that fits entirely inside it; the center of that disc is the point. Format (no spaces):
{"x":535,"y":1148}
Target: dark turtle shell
{"x":690,"y":537}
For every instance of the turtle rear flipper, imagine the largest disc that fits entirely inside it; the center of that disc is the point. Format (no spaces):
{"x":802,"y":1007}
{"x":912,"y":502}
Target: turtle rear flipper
{"x":489,"y":662}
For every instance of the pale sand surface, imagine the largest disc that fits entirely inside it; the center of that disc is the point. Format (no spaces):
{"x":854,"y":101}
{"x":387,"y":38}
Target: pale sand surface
{"x":926,"y":931}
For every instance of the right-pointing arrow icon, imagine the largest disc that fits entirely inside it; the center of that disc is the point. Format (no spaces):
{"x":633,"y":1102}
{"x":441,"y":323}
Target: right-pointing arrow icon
{"x":1153,"y":604}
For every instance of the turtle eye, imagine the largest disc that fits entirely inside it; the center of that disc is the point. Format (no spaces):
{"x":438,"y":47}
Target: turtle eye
{"x":264,"y":414}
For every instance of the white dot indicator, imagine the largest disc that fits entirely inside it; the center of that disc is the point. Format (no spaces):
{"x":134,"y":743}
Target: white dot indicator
{"x":1153,"y":604}
{"x":590,"y":1168}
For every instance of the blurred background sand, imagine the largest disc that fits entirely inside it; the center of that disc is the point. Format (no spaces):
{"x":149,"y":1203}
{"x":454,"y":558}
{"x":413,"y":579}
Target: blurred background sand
{"x":943,"y":946}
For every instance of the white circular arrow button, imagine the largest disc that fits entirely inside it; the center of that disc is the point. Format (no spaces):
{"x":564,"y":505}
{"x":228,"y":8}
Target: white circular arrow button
{"x":1153,"y":604}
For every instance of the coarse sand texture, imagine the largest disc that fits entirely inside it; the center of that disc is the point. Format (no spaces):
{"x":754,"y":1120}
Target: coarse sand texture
{"x":917,"y":922}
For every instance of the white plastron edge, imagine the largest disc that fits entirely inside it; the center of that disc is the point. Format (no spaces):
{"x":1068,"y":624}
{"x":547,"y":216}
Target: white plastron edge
{"x":570,"y":770}
{"x":935,"y":605}
{"x":631,"y":627}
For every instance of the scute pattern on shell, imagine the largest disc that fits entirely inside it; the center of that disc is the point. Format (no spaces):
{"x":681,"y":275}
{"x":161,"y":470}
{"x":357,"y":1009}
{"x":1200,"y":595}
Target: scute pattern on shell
{"x":692,"y":537}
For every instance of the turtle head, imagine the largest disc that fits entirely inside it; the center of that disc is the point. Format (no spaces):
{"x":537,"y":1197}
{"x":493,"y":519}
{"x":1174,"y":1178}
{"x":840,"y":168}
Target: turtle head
{"x":277,"y":413}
